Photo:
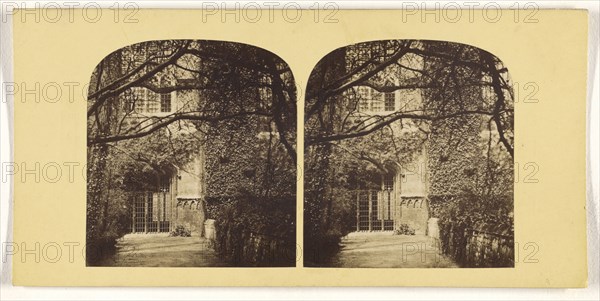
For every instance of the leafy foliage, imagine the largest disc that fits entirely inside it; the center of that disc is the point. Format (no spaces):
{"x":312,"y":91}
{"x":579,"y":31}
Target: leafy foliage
{"x":180,"y":231}
{"x":404,"y":229}
{"x":255,"y":231}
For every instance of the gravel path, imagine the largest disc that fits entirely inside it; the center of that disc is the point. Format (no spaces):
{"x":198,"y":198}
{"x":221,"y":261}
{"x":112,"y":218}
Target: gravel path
{"x":160,"y":250}
{"x":384,"y":250}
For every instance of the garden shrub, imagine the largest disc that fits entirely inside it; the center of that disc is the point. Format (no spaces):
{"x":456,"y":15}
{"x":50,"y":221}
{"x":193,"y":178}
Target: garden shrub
{"x":404,"y":229}
{"x":252,"y":231}
{"x":181,"y":231}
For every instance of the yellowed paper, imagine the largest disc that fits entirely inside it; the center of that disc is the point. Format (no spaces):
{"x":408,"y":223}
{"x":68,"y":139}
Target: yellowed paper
{"x":53,"y":63}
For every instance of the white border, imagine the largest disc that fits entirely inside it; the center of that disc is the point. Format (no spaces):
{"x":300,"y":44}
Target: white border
{"x":6,"y":142}
{"x":8,"y":292}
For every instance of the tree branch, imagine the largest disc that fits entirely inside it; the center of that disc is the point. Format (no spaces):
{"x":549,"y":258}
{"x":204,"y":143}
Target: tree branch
{"x":166,"y":121}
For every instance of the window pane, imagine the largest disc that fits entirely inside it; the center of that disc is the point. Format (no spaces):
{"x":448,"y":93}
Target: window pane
{"x":165,"y":102}
{"x":152,"y":106}
{"x":390,"y":101}
{"x":376,"y":105}
{"x":388,"y":182}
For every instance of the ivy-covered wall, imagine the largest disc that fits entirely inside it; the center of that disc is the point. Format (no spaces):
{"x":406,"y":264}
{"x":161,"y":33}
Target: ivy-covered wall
{"x":241,"y":160}
{"x":453,"y":150}
{"x":250,"y":183}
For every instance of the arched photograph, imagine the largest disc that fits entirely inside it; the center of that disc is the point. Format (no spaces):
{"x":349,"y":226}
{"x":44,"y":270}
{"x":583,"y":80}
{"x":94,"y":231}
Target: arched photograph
{"x":191,"y":149}
{"x":408,"y":157}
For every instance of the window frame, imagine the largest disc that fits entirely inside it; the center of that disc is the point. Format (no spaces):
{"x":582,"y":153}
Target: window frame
{"x":389,"y":97}
{"x":162,"y":98}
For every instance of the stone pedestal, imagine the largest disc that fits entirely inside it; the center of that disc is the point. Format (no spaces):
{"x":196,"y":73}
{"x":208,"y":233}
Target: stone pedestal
{"x":209,"y":229}
{"x":433,"y":229}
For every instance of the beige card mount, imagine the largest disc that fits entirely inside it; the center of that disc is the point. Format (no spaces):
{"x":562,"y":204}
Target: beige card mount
{"x":353,"y":148}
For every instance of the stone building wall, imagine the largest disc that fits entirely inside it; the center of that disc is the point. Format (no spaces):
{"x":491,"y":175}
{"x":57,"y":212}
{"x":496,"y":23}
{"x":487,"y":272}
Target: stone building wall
{"x":414,"y":212}
{"x":412,"y":187}
{"x":190,"y":214}
{"x":189,"y":208}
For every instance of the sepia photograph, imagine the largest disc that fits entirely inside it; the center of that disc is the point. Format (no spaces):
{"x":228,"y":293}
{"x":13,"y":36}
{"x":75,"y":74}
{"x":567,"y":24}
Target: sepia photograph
{"x":305,"y":150}
{"x":408,"y":156}
{"x":191,"y":157}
